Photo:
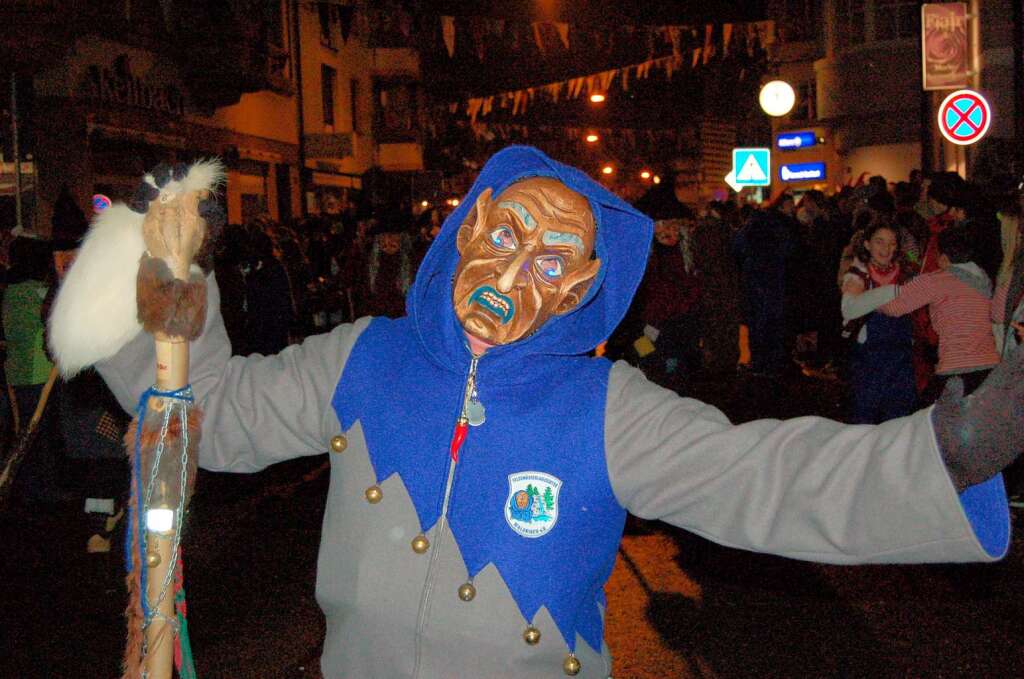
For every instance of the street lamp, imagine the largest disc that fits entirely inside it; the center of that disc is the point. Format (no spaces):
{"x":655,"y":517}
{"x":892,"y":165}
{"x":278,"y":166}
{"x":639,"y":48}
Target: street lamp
{"x":645,"y":174}
{"x":596,"y":98}
{"x":777,"y":98}
{"x":592,"y":138}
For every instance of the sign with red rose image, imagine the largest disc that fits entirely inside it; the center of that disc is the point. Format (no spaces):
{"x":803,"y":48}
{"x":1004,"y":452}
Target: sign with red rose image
{"x":945,"y":60}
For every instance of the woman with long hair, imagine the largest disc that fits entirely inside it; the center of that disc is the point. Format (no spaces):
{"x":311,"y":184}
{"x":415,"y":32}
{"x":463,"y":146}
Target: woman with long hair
{"x":881,"y":370}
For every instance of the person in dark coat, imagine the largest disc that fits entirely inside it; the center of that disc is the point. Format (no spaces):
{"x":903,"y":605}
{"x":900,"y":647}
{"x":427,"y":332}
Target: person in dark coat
{"x":268,"y":299}
{"x":762,"y":248}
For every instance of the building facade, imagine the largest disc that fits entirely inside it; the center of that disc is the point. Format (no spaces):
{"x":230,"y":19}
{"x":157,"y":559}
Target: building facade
{"x":856,"y":68}
{"x":298,"y":101}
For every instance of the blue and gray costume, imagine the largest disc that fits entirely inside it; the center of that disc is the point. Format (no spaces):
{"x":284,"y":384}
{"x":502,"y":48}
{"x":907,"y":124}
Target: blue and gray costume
{"x":577,"y":439}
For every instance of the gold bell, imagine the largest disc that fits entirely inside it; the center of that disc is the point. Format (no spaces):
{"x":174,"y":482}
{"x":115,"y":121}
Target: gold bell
{"x":420,"y":543}
{"x":571,"y":666}
{"x":531,"y":635}
{"x":339,"y":443}
{"x":374,"y":495}
{"x":152,"y":559}
{"x":467,"y":592}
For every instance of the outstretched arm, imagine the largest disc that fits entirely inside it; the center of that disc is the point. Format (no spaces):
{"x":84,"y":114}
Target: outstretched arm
{"x":258,"y":410}
{"x":807,"y":488}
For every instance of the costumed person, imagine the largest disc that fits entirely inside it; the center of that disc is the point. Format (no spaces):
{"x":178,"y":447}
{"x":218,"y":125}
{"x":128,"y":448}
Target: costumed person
{"x":448,"y":424}
{"x":387,"y":269}
{"x":669,"y":305}
{"x":881,"y":370}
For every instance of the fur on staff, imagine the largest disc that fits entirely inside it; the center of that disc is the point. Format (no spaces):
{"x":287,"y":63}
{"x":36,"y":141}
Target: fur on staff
{"x":168,"y":305}
{"x":96,"y":310}
{"x":134,"y":658}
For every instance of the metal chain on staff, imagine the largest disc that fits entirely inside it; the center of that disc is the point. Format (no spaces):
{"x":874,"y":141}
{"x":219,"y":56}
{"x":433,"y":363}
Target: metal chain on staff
{"x":181,"y":401}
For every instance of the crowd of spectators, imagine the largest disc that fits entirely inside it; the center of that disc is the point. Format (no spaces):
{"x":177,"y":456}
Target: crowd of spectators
{"x":892,"y":288}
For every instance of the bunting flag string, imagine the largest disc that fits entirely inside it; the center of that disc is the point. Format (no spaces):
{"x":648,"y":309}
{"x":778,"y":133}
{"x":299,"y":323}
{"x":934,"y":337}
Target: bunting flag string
{"x":572,"y":88}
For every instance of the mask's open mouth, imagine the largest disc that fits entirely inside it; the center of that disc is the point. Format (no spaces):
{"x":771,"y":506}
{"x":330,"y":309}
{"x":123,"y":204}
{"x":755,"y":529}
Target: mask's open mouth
{"x":495,"y":302}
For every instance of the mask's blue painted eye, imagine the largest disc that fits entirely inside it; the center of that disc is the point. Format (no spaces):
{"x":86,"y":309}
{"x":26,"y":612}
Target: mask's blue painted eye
{"x":503,"y":238}
{"x":551,"y":266}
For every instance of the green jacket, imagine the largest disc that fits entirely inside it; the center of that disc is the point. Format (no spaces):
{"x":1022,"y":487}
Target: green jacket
{"x":26,"y":363}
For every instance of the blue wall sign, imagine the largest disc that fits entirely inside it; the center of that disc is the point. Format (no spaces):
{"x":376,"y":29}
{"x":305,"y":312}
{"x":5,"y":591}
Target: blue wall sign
{"x":802,"y":172}
{"x":789,"y":141}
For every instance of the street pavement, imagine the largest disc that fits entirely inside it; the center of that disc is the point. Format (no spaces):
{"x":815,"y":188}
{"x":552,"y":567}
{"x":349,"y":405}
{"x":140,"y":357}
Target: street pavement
{"x":679,"y":606}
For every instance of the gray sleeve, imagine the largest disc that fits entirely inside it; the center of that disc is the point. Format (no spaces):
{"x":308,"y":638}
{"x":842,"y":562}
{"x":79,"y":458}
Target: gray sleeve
{"x":855,"y":306}
{"x":257,"y":410}
{"x":806,"y":488}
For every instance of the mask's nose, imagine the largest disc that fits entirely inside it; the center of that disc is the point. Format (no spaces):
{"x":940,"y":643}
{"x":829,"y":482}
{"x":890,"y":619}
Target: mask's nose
{"x":515,"y":274}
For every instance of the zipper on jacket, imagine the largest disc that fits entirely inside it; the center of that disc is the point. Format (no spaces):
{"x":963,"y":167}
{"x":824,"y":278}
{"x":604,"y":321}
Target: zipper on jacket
{"x":458,"y":438}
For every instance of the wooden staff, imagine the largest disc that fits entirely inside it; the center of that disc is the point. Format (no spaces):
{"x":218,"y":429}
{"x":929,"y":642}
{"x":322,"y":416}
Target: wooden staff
{"x":173,"y":231}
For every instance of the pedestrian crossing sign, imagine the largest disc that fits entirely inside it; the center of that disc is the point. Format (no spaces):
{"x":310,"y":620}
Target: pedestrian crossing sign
{"x":752,"y":167}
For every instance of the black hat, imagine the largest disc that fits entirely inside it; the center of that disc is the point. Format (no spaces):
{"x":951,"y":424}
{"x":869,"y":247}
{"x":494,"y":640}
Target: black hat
{"x":950,"y":189}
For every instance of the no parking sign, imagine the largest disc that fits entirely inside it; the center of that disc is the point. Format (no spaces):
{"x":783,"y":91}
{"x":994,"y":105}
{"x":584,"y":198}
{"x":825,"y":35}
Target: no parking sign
{"x":964,"y":117}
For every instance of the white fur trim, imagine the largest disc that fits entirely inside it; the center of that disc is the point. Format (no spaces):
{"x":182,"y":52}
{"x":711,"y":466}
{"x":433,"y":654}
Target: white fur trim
{"x":95,"y":313}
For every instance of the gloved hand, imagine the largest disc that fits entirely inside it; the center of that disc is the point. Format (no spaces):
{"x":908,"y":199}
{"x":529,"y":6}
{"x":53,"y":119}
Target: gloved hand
{"x":980,"y":435}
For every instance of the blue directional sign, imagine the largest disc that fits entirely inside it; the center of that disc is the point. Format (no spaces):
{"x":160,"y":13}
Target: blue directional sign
{"x":802,"y":139}
{"x":752,"y":167}
{"x":802,"y":172}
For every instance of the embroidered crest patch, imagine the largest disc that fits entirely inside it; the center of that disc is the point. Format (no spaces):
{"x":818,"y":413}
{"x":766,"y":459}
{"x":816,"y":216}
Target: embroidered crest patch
{"x":531,"y":508}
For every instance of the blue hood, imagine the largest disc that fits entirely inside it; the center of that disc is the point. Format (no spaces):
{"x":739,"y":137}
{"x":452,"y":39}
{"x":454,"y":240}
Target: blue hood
{"x":622,"y":244}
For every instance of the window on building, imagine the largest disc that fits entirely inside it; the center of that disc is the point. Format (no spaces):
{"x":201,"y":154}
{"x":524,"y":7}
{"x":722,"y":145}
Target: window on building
{"x":274,"y":17}
{"x":326,"y":11}
{"x":328,"y":78}
{"x":395,"y":111}
{"x":806,"y":105}
{"x":850,"y":22}
{"x":802,"y":20}
{"x":353,"y":102}
{"x":895,"y":19}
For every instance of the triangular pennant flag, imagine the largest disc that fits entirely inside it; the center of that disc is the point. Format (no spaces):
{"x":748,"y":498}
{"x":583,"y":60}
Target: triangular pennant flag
{"x":606,"y":79}
{"x":448,"y":31}
{"x":709,"y":45}
{"x":696,"y":58}
{"x":538,"y":37}
{"x":563,"y":33}
{"x":474,"y":108}
{"x":625,"y":79}
{"x":726,"y":38}
{"x":674,"y":38}
{"x":477,"y":29}
{"x":345,"y":13}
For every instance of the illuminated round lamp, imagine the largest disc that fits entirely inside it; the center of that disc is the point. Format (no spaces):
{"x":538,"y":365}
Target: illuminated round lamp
{"x":424,"y":203}
{"x":777,"y":98}
{"x":454,"y":202}
{"x":596,"y":98}
{"x":656,"y":179}
{"x":607,"y":169}
{"x":592,"y":138}
{"x":645,"y":175}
